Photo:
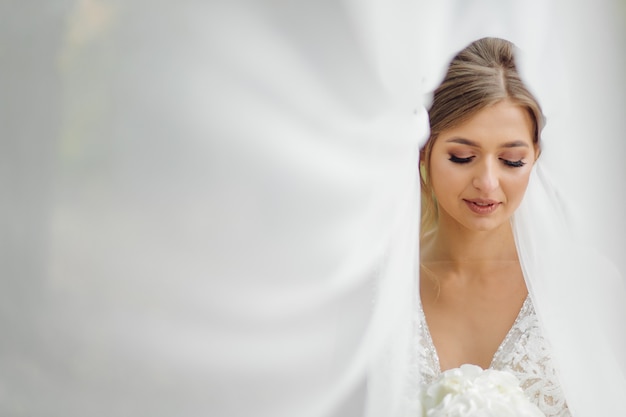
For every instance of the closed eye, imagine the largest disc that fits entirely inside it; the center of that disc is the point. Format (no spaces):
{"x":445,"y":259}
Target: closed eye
{"x":513,"y":164}
{"x":458,"y":160}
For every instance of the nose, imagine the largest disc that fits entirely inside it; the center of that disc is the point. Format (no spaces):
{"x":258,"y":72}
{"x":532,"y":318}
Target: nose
{"x":486,"y":176}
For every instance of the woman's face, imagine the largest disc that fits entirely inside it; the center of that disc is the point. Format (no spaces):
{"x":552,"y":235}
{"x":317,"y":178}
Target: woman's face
{"x":480,"y":169}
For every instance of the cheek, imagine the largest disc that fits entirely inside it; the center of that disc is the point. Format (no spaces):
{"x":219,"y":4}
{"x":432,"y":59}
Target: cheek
{"x":440,"y":177}
{"x":517,"y":187}
{"x":447,"y":182}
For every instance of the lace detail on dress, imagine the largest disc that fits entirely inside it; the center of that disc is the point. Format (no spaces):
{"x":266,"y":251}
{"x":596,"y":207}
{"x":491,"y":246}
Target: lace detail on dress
{"x":524,"y":352}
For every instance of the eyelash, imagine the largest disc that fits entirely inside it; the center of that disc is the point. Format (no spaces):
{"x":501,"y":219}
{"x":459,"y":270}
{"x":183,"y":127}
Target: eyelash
{"x":512,"y":164}
{"x":458,"y":160}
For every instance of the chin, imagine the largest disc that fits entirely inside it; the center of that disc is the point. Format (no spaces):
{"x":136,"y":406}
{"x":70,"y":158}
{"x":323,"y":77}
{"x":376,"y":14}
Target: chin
{"x":475,"y":223}
{"x":487,"y":225}
{"x":486,"y":228}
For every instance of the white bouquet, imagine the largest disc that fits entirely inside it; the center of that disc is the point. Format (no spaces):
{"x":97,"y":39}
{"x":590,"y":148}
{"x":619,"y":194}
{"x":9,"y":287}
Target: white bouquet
{"x":470,"y":391}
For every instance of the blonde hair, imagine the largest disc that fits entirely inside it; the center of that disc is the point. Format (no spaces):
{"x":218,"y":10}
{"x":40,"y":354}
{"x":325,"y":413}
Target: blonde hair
{"x":481,"y":75}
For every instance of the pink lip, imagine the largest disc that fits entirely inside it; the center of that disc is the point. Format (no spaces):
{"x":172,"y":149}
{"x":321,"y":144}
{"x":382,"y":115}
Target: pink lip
{"x":482,"y":206}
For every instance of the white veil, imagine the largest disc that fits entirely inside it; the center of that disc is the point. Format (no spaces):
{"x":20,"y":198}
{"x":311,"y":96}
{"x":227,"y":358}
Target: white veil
{"x":578,"y":294}
{"x":579,"y":298}
{"x":211,"y":207}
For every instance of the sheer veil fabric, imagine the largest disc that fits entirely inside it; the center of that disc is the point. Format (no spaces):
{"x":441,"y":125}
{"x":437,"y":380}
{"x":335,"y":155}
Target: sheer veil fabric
{"x":212,"y":206}
{"x":579,"y":301}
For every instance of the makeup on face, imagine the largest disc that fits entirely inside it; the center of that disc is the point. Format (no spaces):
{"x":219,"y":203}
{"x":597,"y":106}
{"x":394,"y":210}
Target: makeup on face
{"x":480,"y":169}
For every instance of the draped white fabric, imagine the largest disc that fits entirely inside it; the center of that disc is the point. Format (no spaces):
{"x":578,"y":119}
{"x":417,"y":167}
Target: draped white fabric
{"x":579,"y":300}
{"x":211,"y":207}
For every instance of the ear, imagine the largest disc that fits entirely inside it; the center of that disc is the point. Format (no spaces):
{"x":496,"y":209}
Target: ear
{"x":423,"y":170}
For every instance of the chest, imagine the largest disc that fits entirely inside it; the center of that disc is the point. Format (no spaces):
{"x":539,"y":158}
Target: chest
{"x":468,"y":327}
{"x":524,"y":352}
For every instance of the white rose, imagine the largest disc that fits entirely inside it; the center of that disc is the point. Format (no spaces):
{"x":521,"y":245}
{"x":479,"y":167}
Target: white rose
{"x":470,"y":391}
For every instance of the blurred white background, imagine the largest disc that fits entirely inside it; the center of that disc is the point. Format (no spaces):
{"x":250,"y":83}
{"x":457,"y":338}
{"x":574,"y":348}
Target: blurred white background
{"x":198,"y":197}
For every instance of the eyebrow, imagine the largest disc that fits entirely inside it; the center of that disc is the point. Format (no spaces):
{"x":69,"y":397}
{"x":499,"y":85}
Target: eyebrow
{"x":463,"y":141}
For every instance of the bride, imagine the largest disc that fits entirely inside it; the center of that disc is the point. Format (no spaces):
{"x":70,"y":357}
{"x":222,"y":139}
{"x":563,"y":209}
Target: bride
{"x":500,"y":287}
{"x":476,"y":165}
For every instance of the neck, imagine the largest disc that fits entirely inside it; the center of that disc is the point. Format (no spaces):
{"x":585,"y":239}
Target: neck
{"x":462,"y":248}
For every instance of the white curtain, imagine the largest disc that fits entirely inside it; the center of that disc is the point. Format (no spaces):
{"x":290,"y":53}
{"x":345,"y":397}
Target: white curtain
{"x":211,"y":207}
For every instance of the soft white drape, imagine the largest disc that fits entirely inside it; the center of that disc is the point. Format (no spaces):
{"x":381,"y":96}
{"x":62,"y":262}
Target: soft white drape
{"x":210,"y":207}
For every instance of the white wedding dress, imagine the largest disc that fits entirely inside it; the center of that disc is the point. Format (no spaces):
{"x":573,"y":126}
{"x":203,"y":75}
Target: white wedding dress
{"x":524,"y":352}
